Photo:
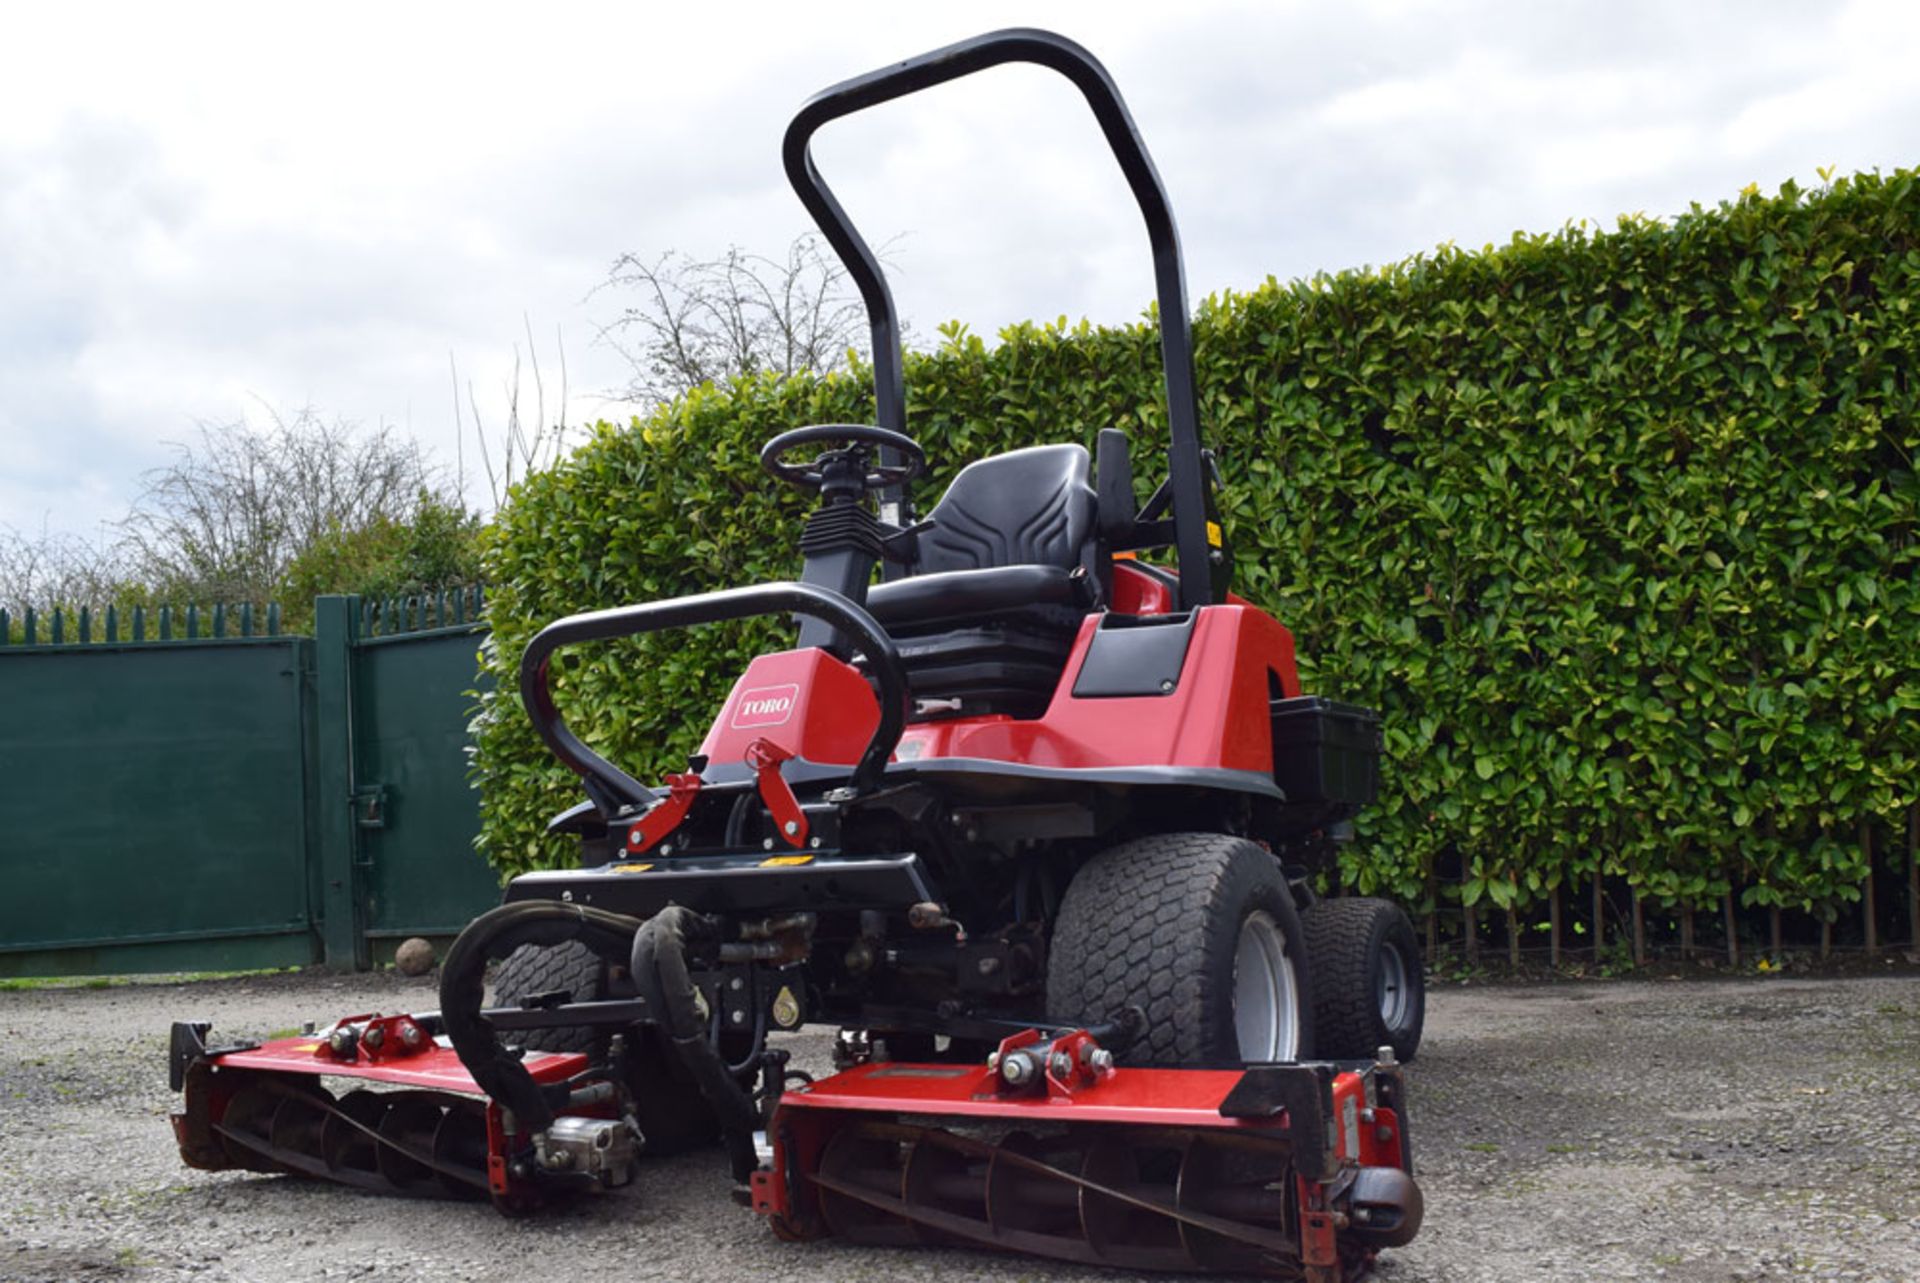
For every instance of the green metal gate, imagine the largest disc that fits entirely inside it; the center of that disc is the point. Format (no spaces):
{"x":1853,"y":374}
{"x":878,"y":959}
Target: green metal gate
{"x":215,"y":803}
{"x":414,"y":816}
{"x":153,"y":806}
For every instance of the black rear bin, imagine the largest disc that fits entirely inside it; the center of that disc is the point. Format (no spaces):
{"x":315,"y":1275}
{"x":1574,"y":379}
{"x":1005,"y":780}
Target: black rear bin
{"x":1326,"y":752}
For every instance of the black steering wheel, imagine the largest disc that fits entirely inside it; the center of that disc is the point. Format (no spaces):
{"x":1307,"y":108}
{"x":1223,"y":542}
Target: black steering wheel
{"x":850,"y":467}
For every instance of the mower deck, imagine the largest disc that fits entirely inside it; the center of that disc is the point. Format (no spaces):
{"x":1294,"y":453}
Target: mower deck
{"x":1289,"y":1171}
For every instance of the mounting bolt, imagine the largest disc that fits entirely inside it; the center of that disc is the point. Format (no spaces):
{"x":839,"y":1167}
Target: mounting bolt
{"x":1384,"y":1055}
{"x":987,"y":965}
{"x":993,"y":1060}
{"x":766,"y":844}
{"x":791,"y":827}
{"x":1016,"y":1069}
{"x":739,"y":1017}
{"x":1166,"y":685}
{"x":1101,"y":1061}
{"x":738,"y":982}
{"x":814,"y":842}
{"x":1062,"y":1064}
{"x":636,"y":839}
{"x":567,"y":896}
{"x":666,"y":848}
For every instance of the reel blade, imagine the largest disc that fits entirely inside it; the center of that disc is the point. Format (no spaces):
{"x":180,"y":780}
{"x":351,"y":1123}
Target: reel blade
{"x":1148,"y":1199}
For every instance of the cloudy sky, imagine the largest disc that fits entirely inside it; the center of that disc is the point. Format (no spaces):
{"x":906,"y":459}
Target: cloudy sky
{"x":209,"y":213}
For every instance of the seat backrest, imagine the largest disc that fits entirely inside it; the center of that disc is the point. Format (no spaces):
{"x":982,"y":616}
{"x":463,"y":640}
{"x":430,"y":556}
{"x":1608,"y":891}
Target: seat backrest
{"x":1026,"y":507}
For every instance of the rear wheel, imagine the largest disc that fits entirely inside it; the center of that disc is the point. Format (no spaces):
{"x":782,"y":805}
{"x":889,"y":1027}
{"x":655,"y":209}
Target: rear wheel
{"x":1200,"y":931}
{"x":1369,"y":991}
{"x":673,"y":1115}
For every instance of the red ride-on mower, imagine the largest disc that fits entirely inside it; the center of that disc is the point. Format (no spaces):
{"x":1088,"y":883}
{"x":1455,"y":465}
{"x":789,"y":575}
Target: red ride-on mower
{"x":1031,"y":820}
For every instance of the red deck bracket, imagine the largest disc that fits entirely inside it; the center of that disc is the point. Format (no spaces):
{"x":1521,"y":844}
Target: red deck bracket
{"x":374,"y":1038}
{"x":765,"y":756}
{"x":1027,"y":1064}
{"x":665,"y":815}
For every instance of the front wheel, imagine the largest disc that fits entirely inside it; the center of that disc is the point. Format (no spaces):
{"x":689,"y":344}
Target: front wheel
{"x":1200,"y":931}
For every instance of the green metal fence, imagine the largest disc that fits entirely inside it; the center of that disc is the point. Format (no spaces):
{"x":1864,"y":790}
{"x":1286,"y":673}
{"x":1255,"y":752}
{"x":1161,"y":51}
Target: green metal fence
{"x":188,"y":790}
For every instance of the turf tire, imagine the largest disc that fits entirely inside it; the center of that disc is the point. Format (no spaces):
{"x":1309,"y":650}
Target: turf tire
{"x":1155,"y":922}
{"x":1349,"y":941}
{"x":570,"y":967}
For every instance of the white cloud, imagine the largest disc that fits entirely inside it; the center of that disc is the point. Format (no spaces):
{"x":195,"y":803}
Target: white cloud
{"x":209,"y":208}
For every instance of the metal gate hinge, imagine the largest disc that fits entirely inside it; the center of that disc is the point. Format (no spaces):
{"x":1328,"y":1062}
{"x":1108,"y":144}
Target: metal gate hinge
{"x":370,"y":807}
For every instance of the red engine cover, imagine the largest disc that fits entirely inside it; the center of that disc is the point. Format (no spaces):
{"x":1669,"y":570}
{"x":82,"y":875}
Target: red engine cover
{"x":806,"y":701}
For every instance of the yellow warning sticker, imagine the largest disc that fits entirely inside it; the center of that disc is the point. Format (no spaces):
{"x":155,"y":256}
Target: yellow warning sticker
{"x":629,"y":868}
{"x":1213,"y":534}
{"x":785,"y":861}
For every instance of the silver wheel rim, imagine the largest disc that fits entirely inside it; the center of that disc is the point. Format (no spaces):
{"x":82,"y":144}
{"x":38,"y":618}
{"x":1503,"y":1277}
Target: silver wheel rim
{"x":1266,"y":1005}
{"x":1390,"y":989}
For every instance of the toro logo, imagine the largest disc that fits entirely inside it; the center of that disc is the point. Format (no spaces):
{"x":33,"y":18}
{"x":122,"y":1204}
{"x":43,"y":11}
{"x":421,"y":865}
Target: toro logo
{"x":765,"y":706}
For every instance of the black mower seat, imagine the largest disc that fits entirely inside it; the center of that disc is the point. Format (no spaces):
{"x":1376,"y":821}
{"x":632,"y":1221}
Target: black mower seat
{"x":1004,"y":575}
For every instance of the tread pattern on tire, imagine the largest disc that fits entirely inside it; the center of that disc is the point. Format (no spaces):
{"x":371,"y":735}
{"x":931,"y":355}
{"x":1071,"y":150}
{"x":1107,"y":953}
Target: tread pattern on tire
{"x":1341,"y":936}
{"x":1129,"y":926}
{"x":533,"y":968}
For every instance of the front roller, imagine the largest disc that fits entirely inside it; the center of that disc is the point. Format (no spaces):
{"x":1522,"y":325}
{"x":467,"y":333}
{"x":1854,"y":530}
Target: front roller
{"x":1298,"y":1171}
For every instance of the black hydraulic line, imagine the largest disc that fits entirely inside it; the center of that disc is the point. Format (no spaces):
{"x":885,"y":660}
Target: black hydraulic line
{"x":494,"y":935}
{"x":1203,"y":579}
{"x":659,"y":966}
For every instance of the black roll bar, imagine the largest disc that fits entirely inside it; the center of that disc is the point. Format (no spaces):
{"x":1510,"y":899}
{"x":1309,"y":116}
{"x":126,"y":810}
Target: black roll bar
{"x":608,"y":785}
{"x":1199,"y":584}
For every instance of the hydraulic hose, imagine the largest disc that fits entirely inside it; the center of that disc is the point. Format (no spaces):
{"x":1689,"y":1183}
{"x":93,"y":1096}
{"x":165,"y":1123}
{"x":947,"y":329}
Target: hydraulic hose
{"x":495,"y":934}
{"x":659,"y":964}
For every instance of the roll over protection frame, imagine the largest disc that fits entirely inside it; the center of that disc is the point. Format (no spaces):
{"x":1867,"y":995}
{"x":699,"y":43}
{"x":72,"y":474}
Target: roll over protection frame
{"x":612,"y":788}
{"x":1203,"y":580}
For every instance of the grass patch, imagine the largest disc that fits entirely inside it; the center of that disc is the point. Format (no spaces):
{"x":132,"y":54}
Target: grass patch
{"x":17,"y":984}
{"x":1482,"y":1147}
{"x":22,"y":984}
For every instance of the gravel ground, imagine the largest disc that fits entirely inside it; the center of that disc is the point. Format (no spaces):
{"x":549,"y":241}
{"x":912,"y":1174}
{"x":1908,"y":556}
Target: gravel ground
{"x":1684,"y":1130}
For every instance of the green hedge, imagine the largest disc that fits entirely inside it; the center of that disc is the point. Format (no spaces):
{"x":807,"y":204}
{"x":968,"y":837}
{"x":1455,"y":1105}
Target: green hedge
{"x":1617,"y":528}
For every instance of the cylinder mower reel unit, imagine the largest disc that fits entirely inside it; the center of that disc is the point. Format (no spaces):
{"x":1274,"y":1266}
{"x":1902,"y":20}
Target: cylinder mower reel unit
{"x":1030,"y":811}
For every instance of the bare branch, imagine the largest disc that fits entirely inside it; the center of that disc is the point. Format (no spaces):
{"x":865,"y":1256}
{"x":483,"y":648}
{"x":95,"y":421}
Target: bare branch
{"x":700,"y":321}
{"x":227,"y":517}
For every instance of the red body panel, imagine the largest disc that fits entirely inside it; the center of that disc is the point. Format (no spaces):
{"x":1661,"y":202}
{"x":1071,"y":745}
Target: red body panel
{"x":1149,"y":1097}
{"x":1139,"y":590}
{"x":806,"y":701}
{"x":1216,"y":717}
{"x":436,"y":1067}
{"x":822,"y":710}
